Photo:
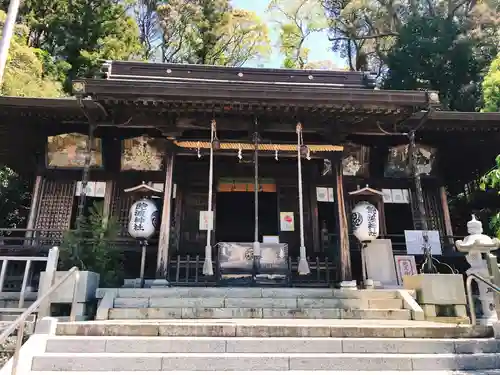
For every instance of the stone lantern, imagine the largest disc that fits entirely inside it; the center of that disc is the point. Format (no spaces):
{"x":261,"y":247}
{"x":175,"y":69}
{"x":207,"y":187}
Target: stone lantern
{"x":476,"y":244}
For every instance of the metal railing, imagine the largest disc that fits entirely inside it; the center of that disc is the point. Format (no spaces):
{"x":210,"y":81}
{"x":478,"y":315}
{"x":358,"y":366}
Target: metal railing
{"x":19,"y":323}
{"x":470,"y":298}
{"x":26,"y":278}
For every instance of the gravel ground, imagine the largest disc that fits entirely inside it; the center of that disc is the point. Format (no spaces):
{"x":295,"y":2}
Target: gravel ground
{"x":7,"y":349}
{"x":8,"y":346}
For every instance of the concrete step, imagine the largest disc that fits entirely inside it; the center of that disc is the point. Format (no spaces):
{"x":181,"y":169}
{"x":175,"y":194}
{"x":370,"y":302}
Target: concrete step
{"x":259,"y":302}
{"x":262,"y":362}
{"x":274,"y":328}
{"x":268,"y":345}
{"x":479,"y":372}
{"x":197,"y":292}
{"x":247,"y":312}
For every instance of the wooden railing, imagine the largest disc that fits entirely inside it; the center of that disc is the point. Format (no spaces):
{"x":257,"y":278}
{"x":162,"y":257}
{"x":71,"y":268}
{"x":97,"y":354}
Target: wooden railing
{"x":188,"y":270}
{"x":18,"y":240}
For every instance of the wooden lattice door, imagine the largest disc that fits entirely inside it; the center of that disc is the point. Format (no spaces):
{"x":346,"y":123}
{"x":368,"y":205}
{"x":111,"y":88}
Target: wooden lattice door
{"x":120,"y":207}
{"x":55,"y":209}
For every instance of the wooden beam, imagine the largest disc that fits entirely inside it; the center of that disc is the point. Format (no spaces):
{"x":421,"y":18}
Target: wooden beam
{"x":344,"y":248}
{"x":163,"y":244}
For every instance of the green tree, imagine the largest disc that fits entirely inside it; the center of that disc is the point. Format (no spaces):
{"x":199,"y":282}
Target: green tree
{"x":491,"y":180}
{"x":297,"y":20}
{"x":211,"y":32}
{"x":30,"y":71}
{"x":431,"y":53}
{"x":14,"y":199}
{"x":97,"y":251}
{"x":81,"y":32}
{"x":150,"y":33}
{"x":491,"y":87}
{"x":364,"y":31}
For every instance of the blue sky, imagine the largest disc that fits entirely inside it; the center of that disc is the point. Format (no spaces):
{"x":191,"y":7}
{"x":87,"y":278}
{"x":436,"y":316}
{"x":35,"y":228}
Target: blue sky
{"x":320,"y":47}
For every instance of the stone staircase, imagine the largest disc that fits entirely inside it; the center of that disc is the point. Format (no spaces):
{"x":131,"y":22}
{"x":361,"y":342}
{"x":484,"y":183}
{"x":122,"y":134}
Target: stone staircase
{"x":272,"y":303}
{"x":271,"y":345}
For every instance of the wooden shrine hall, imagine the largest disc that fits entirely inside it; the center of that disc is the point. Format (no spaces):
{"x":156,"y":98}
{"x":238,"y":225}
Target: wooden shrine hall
{"x":244,"y":163}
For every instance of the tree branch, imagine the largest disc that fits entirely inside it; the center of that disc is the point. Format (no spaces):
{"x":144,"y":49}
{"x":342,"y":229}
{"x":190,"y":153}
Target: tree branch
{"x":363,"y":37}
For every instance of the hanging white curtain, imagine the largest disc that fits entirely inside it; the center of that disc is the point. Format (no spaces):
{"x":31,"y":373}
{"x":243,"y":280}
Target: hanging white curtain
{"x":207,"y":265}
{"x":303,"y":265}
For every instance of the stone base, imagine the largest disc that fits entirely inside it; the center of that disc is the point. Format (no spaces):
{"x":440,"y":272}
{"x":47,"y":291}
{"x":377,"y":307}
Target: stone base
{"x":136,"y":283}
{"x":458,"y":310}
{"x":459,"y":314}
{"x":449,"y":319}
{"x":487,"y":321}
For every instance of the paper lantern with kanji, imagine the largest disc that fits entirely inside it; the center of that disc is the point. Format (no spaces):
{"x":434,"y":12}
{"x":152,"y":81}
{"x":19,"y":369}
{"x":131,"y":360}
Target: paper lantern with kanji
{"x":143,"y":219}
{"x":365,"y":222}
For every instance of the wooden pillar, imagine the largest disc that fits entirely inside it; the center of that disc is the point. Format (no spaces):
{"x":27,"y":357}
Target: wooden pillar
{"x":344,"y":248}
{"x":108,"y":201}
{"x":163,"y":244}
{"x":446,"y":214}
{"x":35,"y":198}
{"x":314,"y":213}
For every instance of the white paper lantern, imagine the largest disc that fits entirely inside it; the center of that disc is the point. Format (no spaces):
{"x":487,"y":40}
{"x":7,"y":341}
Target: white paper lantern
{"x":365,"y":222}
{"x":143,"y":219}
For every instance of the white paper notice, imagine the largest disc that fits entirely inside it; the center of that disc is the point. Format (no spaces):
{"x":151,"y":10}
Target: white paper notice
{"x":387,"y":197}
{"x":415,"y":241}
{"x":100,"y":189}
{"x":89,"y":191}
{"x":206,"y":220}
{"x":324,"y":194}
{"x":397,"y":196}
{"x":287,"y":222}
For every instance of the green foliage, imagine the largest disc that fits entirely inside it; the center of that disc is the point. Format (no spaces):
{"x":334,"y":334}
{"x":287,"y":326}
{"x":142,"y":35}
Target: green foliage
{"x":91,"y":247}
{"x":491,"y":180}
{"x":14,"y":199}
{"x":364,"y":31}
{"x":211,"y":32}
{"x":491,"y":87}
{"x":80,"y":33}
{"x":30,"y":71}
{"x":431,"y":53}
{"x":296,"y":20}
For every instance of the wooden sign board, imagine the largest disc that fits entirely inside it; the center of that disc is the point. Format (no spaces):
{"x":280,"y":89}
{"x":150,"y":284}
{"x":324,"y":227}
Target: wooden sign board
{"x":405,"y":266}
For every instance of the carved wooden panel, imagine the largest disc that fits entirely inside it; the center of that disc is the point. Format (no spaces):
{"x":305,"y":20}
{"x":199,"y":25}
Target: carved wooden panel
{"x":356,"y":160}
{"x":55,"y":208}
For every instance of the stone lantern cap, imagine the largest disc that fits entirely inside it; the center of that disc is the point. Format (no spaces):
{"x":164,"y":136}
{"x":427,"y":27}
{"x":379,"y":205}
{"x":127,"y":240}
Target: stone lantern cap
{"x":476,"y":241}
